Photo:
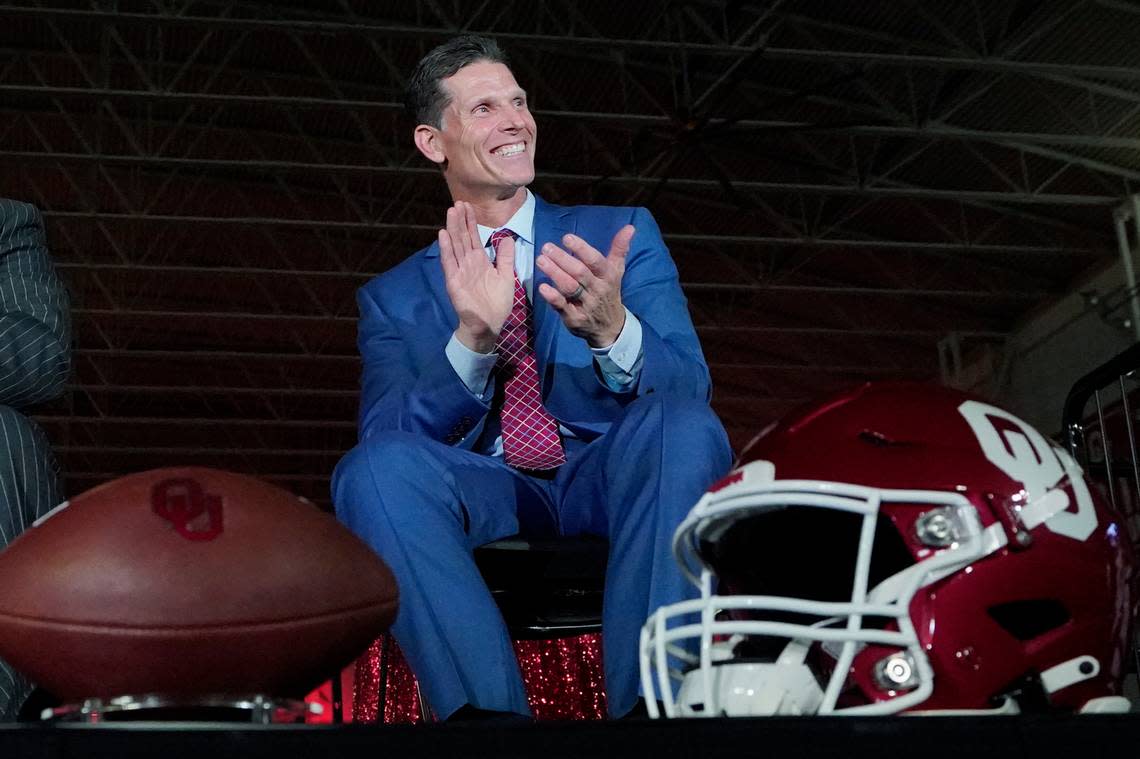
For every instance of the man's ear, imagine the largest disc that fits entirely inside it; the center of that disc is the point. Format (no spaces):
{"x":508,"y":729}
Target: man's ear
{"x":428,"y":142}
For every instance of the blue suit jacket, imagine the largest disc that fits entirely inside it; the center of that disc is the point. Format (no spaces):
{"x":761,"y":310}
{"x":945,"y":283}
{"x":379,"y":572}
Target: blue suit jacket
{"x":406,"y":320}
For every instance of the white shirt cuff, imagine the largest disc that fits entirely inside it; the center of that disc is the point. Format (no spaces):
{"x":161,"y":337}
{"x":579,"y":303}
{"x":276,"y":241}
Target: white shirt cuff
{"x":620,"y":363}
{"x":473,"y":369}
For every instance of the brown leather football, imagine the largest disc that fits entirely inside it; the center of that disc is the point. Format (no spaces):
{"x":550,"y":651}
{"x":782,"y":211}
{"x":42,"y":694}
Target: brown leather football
{"x":189,"y":581}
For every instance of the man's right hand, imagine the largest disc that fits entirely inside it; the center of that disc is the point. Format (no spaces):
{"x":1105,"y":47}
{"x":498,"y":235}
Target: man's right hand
{"x":482,"y":293}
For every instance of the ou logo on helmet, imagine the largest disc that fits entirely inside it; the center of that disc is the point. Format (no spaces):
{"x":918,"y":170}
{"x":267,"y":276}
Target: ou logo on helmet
{"x":1027,"y":457}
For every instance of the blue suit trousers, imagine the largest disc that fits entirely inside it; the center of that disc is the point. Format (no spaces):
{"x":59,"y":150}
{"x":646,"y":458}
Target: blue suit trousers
{"x":425,"y":506}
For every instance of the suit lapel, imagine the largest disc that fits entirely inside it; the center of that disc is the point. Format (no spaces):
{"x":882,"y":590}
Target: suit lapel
{"x":551,"y":223}
{"x":433,"y":273}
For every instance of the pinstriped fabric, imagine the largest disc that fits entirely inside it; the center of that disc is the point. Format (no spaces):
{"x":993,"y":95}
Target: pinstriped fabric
{"x":35,"y":340}
{"x":35,"y":322}
{"x":29,"y":487}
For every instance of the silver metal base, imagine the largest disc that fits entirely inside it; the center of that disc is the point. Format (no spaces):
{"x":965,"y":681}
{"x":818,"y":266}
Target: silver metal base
{"x":255,"y":709}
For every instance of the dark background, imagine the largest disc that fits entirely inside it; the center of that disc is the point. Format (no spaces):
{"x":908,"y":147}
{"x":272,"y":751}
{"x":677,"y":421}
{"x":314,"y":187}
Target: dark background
{"x":844,"y":186}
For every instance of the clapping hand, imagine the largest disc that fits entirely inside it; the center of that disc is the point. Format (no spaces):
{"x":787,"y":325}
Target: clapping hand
{"x":587,"y":286}
{"x":482,"y":293}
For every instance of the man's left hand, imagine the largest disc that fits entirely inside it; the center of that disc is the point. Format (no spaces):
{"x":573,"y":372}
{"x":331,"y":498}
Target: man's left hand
{"x":587,"y":286}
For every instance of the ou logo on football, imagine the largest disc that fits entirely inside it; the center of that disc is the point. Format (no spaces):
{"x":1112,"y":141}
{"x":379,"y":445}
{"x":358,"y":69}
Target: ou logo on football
{"x":194,"y":513}
{"x":1027,"y":457}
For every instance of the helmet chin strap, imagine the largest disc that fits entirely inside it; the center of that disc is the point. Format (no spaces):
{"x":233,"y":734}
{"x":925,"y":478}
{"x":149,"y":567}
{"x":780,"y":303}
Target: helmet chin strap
{"x":1008,"y":706}
{"x":1060,"y":676}
{"x":756,"y":689}
{"x":1077,"y":670}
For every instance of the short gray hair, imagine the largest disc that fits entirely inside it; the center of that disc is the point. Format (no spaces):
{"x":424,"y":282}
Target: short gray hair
{"x":425,"y":98}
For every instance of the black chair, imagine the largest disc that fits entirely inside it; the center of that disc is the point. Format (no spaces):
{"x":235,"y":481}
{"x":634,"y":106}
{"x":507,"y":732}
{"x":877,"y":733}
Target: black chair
{"x":546,"y":588}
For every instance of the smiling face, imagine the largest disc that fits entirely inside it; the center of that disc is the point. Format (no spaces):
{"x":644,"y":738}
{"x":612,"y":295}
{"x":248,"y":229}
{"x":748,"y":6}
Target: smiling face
{"x":487,"y":136}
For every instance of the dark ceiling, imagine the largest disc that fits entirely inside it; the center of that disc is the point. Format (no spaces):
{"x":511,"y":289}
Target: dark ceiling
{"x":844,"y":185}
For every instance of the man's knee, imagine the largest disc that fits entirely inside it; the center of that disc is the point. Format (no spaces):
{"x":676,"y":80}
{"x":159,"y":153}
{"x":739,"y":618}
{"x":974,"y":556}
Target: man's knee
{"x":685,"y":425}
{"x":385,"y":463}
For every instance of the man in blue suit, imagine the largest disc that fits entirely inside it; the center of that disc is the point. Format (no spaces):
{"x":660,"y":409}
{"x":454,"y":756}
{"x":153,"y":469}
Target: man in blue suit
{"x":518,"y":379}
{"x":35,"y":358}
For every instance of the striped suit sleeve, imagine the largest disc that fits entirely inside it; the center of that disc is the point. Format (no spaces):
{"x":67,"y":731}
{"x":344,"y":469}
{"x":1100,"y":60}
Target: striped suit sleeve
{"x":35,"y":325}
{"x":35,"y":341}
{"x":29,"y":488}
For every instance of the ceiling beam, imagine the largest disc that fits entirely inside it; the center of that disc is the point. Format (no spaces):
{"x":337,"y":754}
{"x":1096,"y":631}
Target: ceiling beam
{"x":164,"y":390}
{"x":274,"y":357}
{"x":725,"y":239}
{"x":929,"y":129}
{"x":359,"y":277}
{"x":562,"y":43}
{"x":23,"y":157}
{"x":221,"y":421}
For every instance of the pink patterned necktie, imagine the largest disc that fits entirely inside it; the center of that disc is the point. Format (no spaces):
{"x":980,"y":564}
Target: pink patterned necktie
{"x":530,"y":433}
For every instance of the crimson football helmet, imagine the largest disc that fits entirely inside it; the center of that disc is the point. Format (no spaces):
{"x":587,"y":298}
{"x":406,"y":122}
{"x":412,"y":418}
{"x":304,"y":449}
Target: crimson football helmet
{"x":898,"y":547}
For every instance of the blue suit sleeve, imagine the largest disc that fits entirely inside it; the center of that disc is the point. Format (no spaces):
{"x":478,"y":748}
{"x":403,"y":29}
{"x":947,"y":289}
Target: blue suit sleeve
{"x":408,"y":384}
{"x":35,"y":323}
{"x":651,"y":290}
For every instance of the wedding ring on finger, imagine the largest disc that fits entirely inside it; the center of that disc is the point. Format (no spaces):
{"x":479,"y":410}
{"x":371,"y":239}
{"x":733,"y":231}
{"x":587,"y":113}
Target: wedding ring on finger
{"x":576,"y":296}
